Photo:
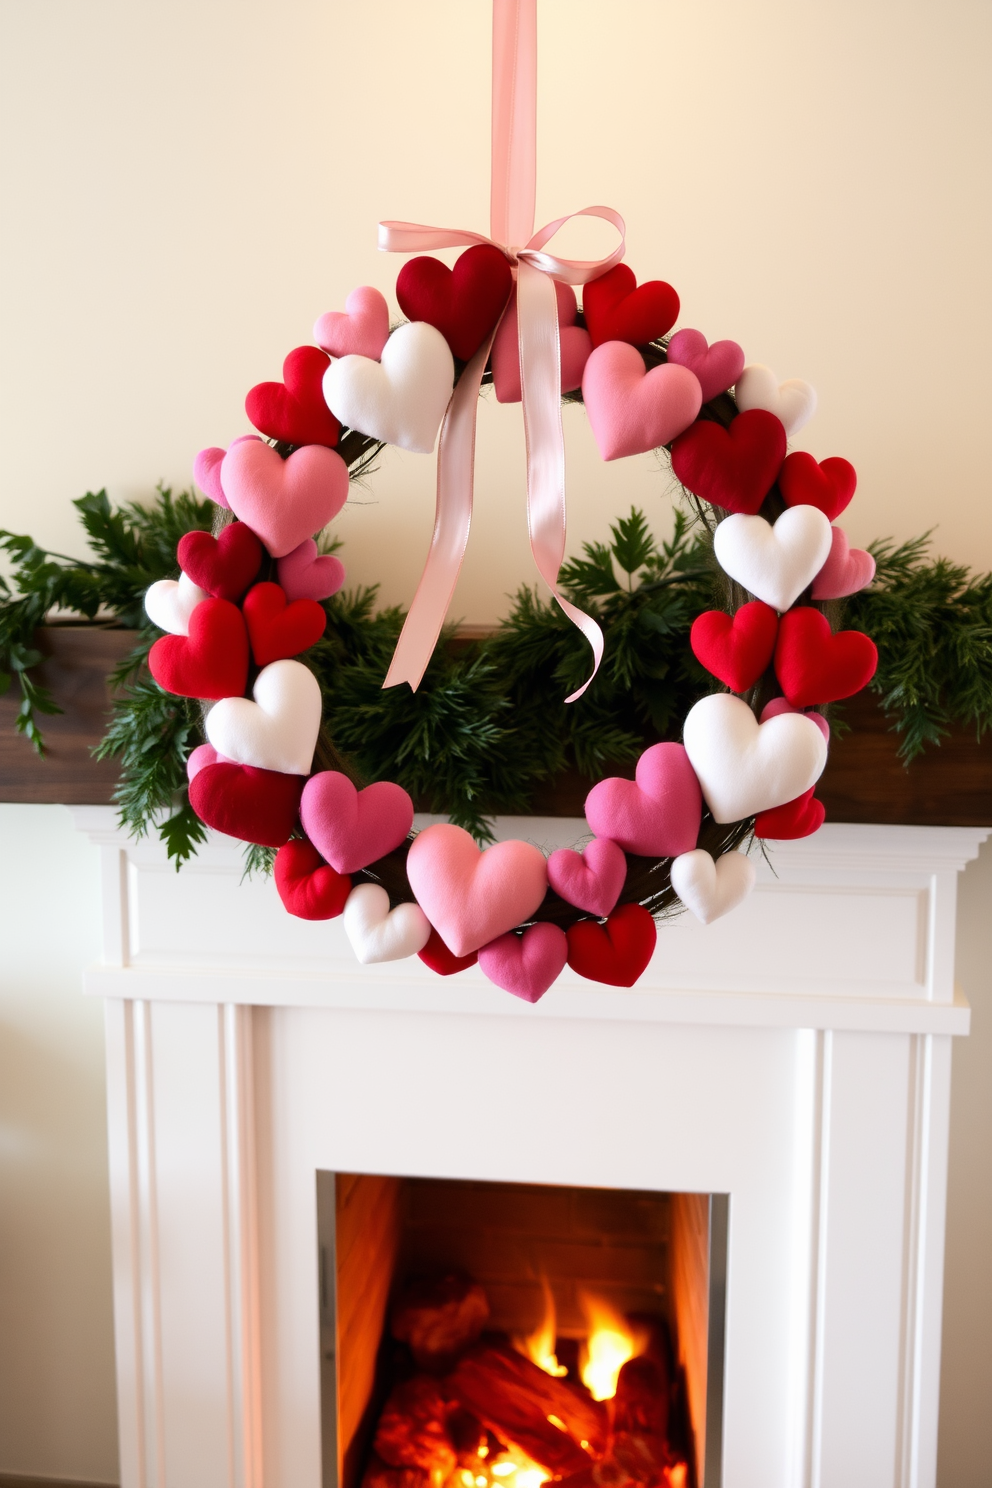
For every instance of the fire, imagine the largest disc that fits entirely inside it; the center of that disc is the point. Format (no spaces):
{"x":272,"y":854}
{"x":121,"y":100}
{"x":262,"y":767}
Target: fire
{"x":510,"y":1469}
{"x":610,"y":1342}
{"x":539,"y":1346}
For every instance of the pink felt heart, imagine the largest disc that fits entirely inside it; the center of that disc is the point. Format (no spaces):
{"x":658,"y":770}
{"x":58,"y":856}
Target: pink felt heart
{"x":361,"y":329}
{"x":284,"y":501}
{"x":576,"y":344}
{"x":527,"y":964}
{"x":352,"y":828}
{"x":206,"y":473}
{"x":782,"y":705}
{"x":656,"y":815}
{"x":846,"y":570}
{"x":632,"y":410}
{"x":592,"y":879}
{"x":306,"y":574}
{"x":471,"y":897}
{"x":716,"y":367}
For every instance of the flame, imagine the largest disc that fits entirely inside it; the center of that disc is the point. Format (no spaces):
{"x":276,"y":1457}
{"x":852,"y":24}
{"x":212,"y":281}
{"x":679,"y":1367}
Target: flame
{"x":610,"y":1342}
{"x":510,"y":1469}
{"x":539,"y":1346}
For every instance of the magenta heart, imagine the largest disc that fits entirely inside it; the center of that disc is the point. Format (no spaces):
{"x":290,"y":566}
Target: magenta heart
{"x":206,"y":473}
{"x":716,"y":367}
{"x":592,"y":879}
{"x":306,"y":574}
{"x":656,"y":815}
{"x":352,"y":828}
{"x":284,"y":501}
{"x":632,"y":410}
{"x":527,"y":964}
{"x":361,"y":329}
{"x":846,"y":570}
{"x":782,"y":705}
{"x":576,"y":344}
{"x":472,"y":897}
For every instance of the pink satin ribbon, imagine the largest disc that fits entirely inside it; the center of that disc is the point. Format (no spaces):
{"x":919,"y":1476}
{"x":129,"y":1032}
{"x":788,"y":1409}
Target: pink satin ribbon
{"x":514,"y":162}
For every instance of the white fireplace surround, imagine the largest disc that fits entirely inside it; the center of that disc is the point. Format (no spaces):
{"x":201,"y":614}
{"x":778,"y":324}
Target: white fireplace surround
{"x":795,"y":1055}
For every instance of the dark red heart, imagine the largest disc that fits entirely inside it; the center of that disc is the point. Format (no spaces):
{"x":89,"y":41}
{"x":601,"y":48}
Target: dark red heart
{"x":734,"y":467}
{"x":463,"y":303}
{"x":212,"y":662}
{"x":277,"y":628}
{"x":294,"y":410}
{"x":309,"y":888}
{"x":616,"y":308}
{"x":617,"y":952}
{"x":828,"y":485}
{"x":736,"y":648}
{"x":255,"y":805}
{"x":437,"y":956}
{"x":799,"y":818}
{"x":224,"y":566}
{"x":815,"y":666}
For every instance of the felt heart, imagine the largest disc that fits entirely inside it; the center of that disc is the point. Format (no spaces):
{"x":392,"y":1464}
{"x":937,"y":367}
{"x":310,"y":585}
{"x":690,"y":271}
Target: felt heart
{"x":463,"y":303}
{"x":354,"y":828}
{"x":709,"y":890}
{"x":615,"y":953}
{"x":378,"y":933}
{"x":306,"y":573}
{"x":307,"y":886}
{"x":632,"y":410}
{"x":400,"y":399}
{"x":212,"y":661}
{"x":169,"y":604}
{"x":278,"y":731}
{"x":616,"y":309}
{"x":200,"y":757}
{"x":575,"y":345}
{"x":473,"y":896}
{"x":527,"y":964}
{"x":277,"y":629}
{"x":734,"y":467}
{"x":799,"y":818}
{"x":436,"y":955}
{"x":655,"y":815}
{"x":591,"y":879}
{"x":254,"y":805}
{"x":793,"y":402}
{"x":361,"y":329}
{"x":284,"y":501}
{"x":294,"y":410}
{"x":745,"y":767}
{"x":814,"y":666}
{"x":224,"y":566}
{"x":846,"y":571}
{"x":776,"y":563}
{"x":715,"y":367}
{"x":830,"y":485}
{"x":782,"y":705}
{"x":736,"y":648}
{"x":206,"y":473}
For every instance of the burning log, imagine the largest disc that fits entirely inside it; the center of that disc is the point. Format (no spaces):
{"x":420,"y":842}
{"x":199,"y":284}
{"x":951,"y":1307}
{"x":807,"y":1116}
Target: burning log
{"x":640,"y":1406}
{"x":413,"y":1433}
{"x":439,"y":1318}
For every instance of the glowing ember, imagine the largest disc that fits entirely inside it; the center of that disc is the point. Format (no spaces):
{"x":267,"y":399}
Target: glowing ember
{"x":610,"y":1342}
{"x":510,"y":1469}
{"x":539,"y":1346}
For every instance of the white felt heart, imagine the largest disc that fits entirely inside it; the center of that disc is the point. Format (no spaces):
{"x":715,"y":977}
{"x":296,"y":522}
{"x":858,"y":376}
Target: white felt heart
{"x":745,"y":767}
{"x":378,"y":933}
{"x":169,"y":604}
{"x":400,"y":399}
{"x":776,"y":563}
{"x":792,"y":402}
{"x":278,"y":731}
{"x":707,"y":889}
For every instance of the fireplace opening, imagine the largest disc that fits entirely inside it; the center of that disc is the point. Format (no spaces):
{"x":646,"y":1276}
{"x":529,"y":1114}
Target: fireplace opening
{"x":503,"y":1335}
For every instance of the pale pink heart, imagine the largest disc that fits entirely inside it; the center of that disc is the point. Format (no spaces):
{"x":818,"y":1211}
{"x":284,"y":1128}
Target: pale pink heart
{"x":846,"y":570}
{"x":632,"y":410}
{"x":656,"y":815}
{"x":592,"y":879}
{"x":206,"y":470}
{"x":361,"y":329}
{"x":200,"y":757}
{"x":469,"y":896}
{"x":782,"y":705}
{"x":352,"y":828}
{"x":716,"y":367}
{"x":284,"y":501}
{"x":576,"y":344}
{"x":527,"y":964}
{"x":306,"y":574}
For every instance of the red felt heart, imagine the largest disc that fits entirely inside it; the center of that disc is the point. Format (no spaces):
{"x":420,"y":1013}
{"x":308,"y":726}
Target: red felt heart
{"x":309,"y":887}
{"x":736,"y":648}
{"x":828,"y":485}
{"x":294,"y":410}
{"x":734,"y":467}
{"x":212,"y":661}
{"x":815,"y":666}
{"x":224,"y":566}
{"x":437,"y":956}
{"x":616,"y":308}
{"x":277,"y":628}
{"x":617,"y":952}
{"x":799,"y":818}
{"x":255,"y":805}
{"x":463,"y":303}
